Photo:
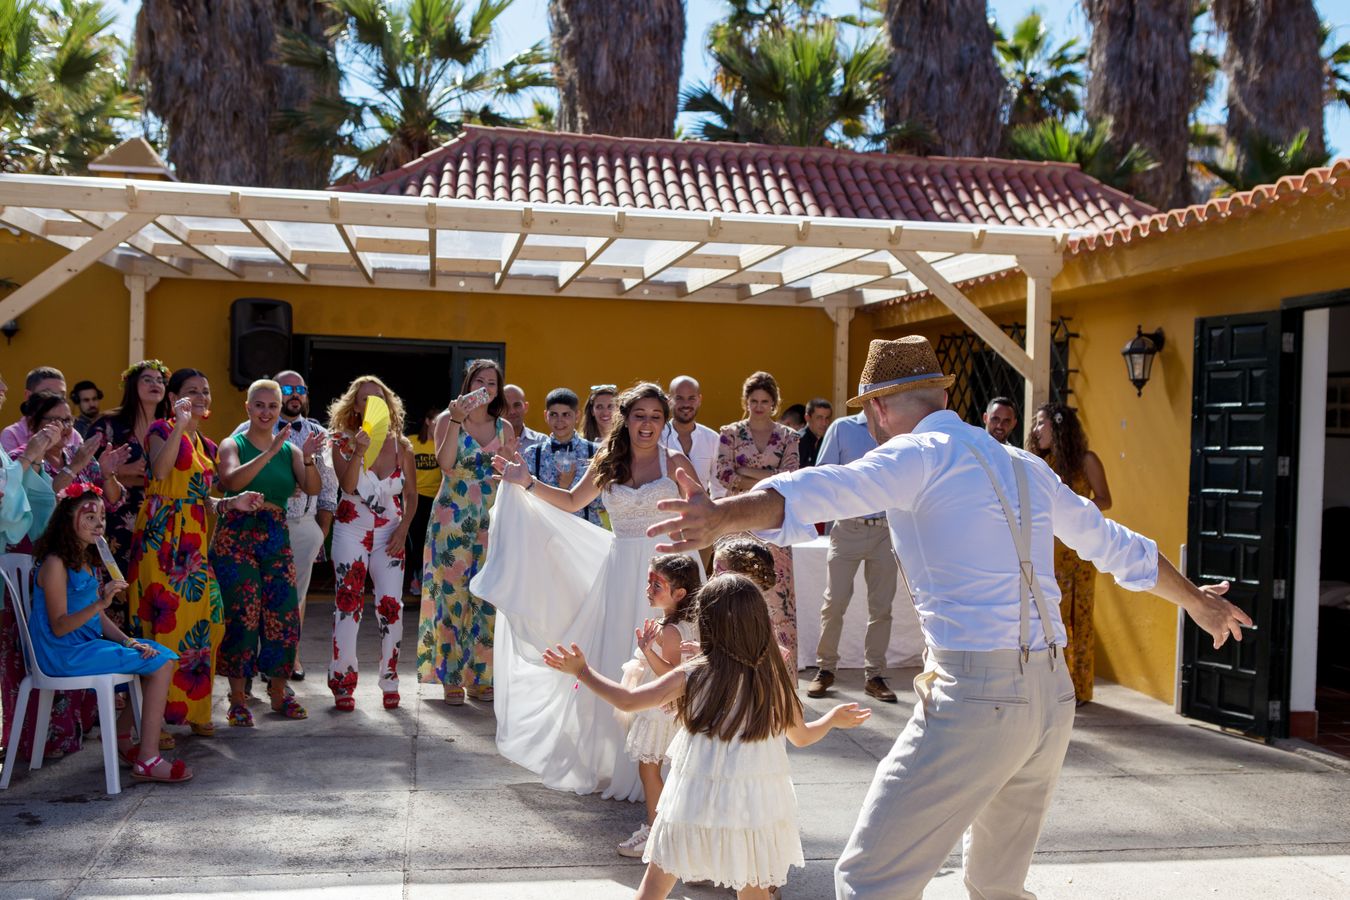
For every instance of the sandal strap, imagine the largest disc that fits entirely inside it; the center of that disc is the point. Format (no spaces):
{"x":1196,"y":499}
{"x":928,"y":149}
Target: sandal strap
{"x":144,"y":766}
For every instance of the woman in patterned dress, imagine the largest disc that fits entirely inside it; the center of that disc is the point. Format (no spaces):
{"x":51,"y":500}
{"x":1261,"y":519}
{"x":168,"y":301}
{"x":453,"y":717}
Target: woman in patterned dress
{"x":454,"y":640}
{"x":173,"y":595}
{"x":749,"y":451}
{"x":1057,"y":437}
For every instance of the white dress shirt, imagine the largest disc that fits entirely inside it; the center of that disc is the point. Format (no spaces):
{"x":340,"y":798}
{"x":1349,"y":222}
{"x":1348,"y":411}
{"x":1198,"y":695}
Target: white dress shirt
{"x":950,"y":532}
{"x":703,"y":455}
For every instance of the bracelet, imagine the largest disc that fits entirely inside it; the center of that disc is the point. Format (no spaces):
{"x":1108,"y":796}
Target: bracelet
{"x":533,"y":481}
{"x":128,"y":642}
{"x":456,"y":421}
{"x":309,"y":462}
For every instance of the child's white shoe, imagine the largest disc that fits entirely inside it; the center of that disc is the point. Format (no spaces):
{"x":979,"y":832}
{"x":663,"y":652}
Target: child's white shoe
{"x":636,"y":843}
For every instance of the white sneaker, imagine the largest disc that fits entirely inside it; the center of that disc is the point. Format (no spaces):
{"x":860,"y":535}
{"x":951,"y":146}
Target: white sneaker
{"x":636,"y":843}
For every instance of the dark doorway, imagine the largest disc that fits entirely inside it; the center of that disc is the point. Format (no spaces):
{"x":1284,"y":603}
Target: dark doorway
{"x":425,"y":374}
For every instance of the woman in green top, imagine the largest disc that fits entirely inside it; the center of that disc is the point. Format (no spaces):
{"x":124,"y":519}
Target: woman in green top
{"x":251,"y":553}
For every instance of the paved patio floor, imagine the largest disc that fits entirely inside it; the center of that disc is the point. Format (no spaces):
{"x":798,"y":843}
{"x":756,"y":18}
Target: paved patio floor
{"x":416,"y":803}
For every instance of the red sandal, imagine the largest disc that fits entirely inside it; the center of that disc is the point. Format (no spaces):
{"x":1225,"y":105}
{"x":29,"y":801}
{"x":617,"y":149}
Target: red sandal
{"x":391,"y":699}
{"x":345,"y":704}
{"x":131,"y":753}
{"x":145,"y":771}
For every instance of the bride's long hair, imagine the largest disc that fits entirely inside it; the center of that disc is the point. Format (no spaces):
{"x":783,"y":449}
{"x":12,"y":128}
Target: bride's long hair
{"x":614,"y":461}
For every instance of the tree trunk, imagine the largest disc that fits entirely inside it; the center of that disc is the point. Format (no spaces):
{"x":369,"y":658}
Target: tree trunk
{"x":212,"y":78}
{"x":1272,"y":59}
{"x":943,"y":74}
{"x":1139,"y":75}
{"x":618,"y":65}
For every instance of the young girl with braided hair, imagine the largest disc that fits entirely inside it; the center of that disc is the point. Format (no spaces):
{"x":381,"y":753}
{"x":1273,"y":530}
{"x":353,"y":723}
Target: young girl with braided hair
{"x":728,"y":813}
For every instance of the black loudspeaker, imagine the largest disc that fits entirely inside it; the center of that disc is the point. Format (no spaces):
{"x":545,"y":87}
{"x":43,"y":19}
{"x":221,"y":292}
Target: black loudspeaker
{"x":260,"y":339}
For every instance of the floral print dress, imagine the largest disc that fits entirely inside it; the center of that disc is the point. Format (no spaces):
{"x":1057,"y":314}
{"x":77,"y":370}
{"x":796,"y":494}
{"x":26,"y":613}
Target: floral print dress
{"x":736,"y":448}
{"x":173,"y":596}
{"x":454,"y":641}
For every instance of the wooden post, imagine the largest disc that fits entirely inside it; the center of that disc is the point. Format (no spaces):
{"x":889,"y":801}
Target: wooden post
{"x":1040,"y":272}
{"x":842,"y":315}
{"x":137,"y":287}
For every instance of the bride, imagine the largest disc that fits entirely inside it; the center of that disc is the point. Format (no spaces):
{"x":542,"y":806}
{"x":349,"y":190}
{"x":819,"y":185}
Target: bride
{"x":556,"y":578}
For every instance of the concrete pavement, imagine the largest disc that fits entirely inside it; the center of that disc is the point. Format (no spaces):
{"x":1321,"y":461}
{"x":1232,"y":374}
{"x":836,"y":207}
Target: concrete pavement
{"x":416,"y":803}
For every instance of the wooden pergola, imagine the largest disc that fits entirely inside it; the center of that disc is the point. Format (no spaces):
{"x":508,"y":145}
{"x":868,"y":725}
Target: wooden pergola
{"x":153,"y":230}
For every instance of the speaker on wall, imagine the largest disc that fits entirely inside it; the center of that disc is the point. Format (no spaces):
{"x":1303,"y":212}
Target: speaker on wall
{"x":260,"y":339}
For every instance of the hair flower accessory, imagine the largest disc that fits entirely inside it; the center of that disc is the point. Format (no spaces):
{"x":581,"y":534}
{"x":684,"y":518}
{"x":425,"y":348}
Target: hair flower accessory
{"x":1059,"y":418}
{"x":144,"y":364}
{"x":78,"y":489}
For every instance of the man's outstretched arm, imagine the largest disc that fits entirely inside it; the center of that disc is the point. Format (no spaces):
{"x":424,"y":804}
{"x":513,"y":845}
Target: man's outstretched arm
{"x":698,"y":521}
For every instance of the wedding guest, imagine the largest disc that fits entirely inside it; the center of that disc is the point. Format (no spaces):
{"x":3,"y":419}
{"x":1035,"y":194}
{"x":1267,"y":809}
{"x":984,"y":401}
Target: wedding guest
{"x":516,"y":408}
{"x":749,"y":451}
{"x":309,"y":517}
{"x":564,"y":457}
{"x":251,"y":552}
{"x":374,"y":514}
{"x":685,"y":434}
{"x":454,"y":636}
{"x":173,"y":595}
{"x":73,"y":635}
{"x":26,"y":504}
{"x":1057,"y":437}
{"x":86,"y":396}
{"x":65,"y":464}
{"x":423,"y":442}
{"x":43,"y":378}
{"x":599,"y":412}
{"x":1000,"y":419}
{"x":818,"y":414}
{"x":794,"y":417}
{"x":128,"y":424}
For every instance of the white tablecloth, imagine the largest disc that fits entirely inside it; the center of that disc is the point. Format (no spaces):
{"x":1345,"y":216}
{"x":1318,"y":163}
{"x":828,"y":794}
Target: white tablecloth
{"x":808,"y":567}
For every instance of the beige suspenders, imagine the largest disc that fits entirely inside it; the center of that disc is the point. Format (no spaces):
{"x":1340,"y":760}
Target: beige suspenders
{"x":1021,"y":537}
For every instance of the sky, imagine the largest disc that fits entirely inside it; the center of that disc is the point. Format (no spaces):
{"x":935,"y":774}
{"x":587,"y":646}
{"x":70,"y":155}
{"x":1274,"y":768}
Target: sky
{"x":526,"y":21}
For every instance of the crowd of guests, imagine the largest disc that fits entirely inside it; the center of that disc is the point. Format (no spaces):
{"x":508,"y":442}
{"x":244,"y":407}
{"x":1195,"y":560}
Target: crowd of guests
{"x":218,"y":543}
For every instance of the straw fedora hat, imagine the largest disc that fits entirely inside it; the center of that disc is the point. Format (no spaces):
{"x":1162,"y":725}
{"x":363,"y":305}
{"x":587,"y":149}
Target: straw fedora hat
{"x":895,"y":366}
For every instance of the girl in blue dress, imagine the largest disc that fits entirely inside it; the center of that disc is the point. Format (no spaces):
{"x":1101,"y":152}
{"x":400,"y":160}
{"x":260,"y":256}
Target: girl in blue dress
{"x":73,"y":635}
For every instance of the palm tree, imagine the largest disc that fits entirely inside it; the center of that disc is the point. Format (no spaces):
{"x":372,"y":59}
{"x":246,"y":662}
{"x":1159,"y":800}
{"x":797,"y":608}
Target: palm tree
{"x":211,"y":75}
{"x":1275,"y":73}
{"x":1140,"y":79}
{"x":63,"y":89}
{"x":1044,"y":78}
{"x":423,"y":70}
{"x":618,"y":65}
{"x":1263,"y":161}
{"x":799,"y":86}
{"x":1092,"y":149}
{"x":1336,"y":66}
{"x":943,"y":75}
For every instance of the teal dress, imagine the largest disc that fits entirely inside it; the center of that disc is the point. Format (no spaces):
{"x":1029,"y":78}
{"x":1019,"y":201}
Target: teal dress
{"x":84,"y":651}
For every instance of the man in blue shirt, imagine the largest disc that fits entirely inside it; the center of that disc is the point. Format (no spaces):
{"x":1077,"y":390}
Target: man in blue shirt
{"x":864,"y":540}
{"x":562,"y":458}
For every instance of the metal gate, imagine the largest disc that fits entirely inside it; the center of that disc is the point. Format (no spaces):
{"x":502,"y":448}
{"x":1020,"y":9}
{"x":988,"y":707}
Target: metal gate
{"x":981,"y":374}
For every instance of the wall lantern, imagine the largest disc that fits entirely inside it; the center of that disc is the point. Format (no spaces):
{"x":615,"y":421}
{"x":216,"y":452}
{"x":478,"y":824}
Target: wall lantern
{"x":9,"y":329}
{"x":1139,"y":352}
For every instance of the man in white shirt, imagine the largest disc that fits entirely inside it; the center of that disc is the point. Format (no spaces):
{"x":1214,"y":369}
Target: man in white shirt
{"x":983,"y":749}
{"x":516,"y":408}
{"x":685,"y":434}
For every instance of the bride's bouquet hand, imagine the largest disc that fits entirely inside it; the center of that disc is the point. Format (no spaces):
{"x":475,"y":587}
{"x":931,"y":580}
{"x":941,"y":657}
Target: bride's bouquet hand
{"x":510,"y":469}
{"x":573,"y":661}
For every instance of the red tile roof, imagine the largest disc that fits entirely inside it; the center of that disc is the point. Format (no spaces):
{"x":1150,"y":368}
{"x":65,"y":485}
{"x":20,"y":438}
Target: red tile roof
{"x":508,"y":164}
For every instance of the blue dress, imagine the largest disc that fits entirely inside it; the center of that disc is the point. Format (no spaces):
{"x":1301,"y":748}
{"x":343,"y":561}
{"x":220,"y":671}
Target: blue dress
{"x":84,"y":651}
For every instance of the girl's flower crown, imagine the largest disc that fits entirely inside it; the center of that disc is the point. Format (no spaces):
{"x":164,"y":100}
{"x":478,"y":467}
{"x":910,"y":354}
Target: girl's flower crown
{"x":77,"y":489}
{"x":146,"y":364}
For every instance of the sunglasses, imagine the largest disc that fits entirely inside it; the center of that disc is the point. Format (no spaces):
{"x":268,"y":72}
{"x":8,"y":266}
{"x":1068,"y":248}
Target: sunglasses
{"x":298,"y":390}
{"x":604,"y":389}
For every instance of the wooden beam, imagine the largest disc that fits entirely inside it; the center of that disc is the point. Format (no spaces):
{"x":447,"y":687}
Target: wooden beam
{"x":842,"y":316}
{"x":967,"y":312}
{"x":58,"y":273}
{"x":665,"y":259}
{"x":279,"y":246}
{"x":1040,"y":272}
{"x":509,"y":259}
{"x":751,"y":257}
{"x":362,"y":264}
{"x":566,"y":277}
{"x":141,"y":243}
{"x":137,"y":288}
{"x":178,"y":231}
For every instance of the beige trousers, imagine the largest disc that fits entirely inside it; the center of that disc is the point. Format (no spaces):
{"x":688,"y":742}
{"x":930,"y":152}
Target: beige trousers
{"x":980,"y":756}
{"x":853,"y":543}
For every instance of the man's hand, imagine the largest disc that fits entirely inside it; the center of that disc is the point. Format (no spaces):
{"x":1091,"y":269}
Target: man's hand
{"x":698,"y":521}
{"x":1218,"y":617}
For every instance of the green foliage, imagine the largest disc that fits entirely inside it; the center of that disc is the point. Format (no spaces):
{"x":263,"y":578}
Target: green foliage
{"x":789,"y":78}
{"x":1045,"y":79}
{"x":1265,"y":161}
{"x":1336,"y":66}
{"x":63,"y":85}
{"x":425,"y":70}
{"x":1091,"y":148}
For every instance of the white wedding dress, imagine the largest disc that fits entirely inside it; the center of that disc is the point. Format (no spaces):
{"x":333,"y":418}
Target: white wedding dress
{"x":557,"y":579}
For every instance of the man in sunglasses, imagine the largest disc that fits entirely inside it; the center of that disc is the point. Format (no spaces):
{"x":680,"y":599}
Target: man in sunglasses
{"x":307,"y":518}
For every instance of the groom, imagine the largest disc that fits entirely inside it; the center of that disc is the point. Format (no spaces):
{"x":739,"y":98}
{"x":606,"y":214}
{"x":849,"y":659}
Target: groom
{"x":984,"y":746}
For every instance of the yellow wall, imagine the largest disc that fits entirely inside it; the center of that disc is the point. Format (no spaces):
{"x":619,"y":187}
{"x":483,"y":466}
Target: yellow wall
{"x":1144,"y":442}
{"x":82,"y":329}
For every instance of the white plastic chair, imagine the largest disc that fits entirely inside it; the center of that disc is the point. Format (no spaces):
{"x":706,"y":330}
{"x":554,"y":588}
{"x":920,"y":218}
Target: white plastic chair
{"x":16,"y":571}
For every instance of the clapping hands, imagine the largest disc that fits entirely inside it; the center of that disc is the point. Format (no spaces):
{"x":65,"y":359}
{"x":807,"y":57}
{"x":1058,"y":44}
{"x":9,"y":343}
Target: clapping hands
{"x":112,"y":458}
{"x":648,"y":632}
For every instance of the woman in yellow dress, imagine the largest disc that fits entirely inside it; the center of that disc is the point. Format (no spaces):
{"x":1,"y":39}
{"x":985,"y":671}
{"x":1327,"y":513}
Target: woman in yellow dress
{"x":1057,"y":437}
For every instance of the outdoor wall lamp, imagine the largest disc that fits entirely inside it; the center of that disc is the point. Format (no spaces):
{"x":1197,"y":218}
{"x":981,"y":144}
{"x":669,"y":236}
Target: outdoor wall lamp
{"x":1139,"y":352}
{"x":9,"y":329}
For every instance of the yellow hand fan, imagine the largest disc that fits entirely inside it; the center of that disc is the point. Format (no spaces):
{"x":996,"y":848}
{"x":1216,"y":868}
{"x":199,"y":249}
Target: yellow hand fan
{"x":375,"y":424}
